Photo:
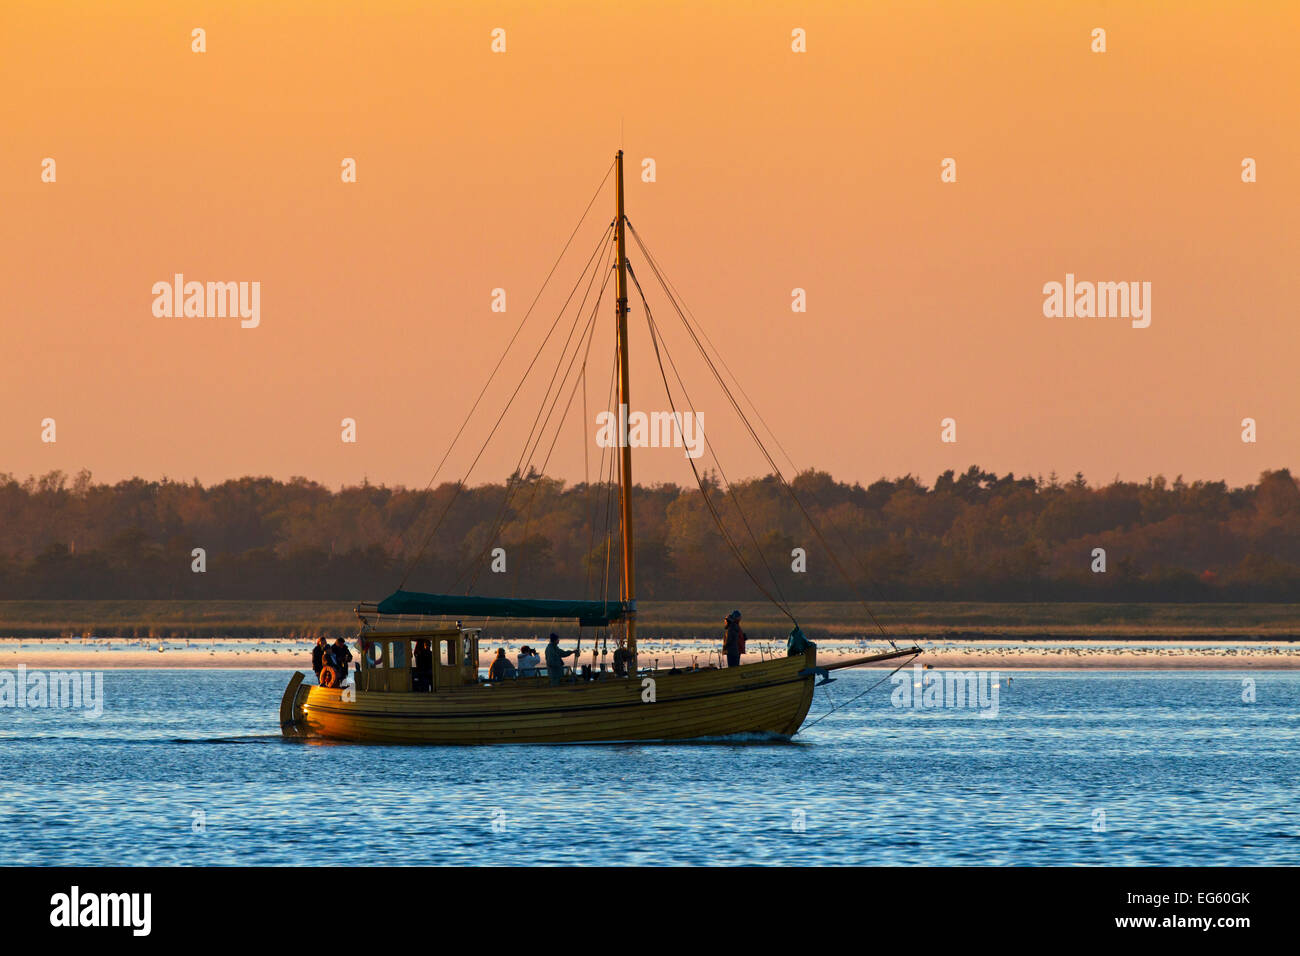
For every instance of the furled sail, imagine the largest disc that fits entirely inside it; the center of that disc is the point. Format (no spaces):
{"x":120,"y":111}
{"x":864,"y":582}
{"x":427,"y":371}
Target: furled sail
{"x":587,"y":613}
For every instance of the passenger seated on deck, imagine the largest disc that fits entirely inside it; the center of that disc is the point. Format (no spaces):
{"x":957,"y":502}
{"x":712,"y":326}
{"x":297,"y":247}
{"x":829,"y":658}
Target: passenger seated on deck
{"x":622,"y":657}
{"x":422,"y":675}
{"x":528,"y":661}
{"x":501,"y":668}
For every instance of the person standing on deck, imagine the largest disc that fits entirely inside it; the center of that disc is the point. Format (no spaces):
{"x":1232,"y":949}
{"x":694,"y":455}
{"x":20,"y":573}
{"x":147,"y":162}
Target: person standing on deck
{"x":733,"y":639}
{"x":622,"y":658}
{"x":422,"y":676}
{"x":318,"y":656}
{"x":341,"y":658}
{"x":555,"y":659}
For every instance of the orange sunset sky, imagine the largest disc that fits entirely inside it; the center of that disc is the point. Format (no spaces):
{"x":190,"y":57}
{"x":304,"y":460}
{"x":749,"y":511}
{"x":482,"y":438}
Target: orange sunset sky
{"x":775,"y":170}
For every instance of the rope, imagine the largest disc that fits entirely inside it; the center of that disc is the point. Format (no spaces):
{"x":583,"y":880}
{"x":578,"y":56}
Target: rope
{"x":858,"y":697}
{"x":497,"y":367}
{"x":754,"y":434}
{"x":582,"y":432}
{"x":717,"y":519}
{"x":655,"y":336}
{"x":460,"y":485}
{"x":594,"y":494}
{"x":672,"y":288}
{"x":590,"y":335}
{"x":535,"y":433}
{"x":520,"y":477}
{"x":610,"y":507}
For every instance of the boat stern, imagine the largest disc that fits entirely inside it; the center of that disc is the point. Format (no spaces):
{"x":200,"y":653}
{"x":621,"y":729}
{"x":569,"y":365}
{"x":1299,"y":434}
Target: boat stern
{"x":292,"y":718}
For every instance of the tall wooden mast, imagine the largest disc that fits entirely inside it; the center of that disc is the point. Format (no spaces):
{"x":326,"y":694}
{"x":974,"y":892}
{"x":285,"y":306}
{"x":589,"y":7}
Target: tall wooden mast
{"x":624,"y":410}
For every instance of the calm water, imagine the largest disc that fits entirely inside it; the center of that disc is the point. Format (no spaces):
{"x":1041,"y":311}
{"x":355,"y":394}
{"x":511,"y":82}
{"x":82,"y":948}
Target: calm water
{"x":1184,"y":771}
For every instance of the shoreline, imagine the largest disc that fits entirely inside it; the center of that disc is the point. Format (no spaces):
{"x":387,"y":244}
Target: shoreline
{"x":688,"y":622}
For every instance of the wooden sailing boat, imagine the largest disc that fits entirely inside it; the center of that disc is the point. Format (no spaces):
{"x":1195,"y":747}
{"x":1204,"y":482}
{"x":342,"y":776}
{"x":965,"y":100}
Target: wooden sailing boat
{"x":389,"y":702}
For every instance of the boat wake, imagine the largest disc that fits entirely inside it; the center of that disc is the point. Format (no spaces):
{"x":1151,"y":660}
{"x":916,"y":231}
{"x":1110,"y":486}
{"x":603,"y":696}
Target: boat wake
{"x":90,"y":740}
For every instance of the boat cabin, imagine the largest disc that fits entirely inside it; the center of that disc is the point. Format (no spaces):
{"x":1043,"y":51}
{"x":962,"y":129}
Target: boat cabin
{"x":388,"y":664}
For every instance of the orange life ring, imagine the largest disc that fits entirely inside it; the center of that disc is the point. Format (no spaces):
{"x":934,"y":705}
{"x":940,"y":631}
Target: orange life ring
{"x":329,"y":677}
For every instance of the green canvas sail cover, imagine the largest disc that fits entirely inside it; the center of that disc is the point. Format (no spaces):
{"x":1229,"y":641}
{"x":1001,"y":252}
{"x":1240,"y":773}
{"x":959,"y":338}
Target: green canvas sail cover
{"x":587,"y":613}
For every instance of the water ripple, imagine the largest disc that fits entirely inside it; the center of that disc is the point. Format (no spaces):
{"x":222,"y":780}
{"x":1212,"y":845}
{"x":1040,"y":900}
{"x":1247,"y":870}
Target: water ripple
{"x":1078,"y":768}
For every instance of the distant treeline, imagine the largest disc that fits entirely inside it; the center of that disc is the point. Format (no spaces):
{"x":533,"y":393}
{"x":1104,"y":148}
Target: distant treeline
{"x":971,"y":536}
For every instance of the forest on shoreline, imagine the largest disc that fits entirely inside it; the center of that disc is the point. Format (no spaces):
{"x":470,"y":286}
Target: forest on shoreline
{"x":973,"y":536}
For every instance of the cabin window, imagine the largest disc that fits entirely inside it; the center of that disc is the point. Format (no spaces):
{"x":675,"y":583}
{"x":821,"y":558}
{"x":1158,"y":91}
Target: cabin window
{"x":399,"y":654}
{"x":450,"y":644}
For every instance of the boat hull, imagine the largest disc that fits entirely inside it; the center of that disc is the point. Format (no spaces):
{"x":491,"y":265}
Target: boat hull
{"x":768,"y":698}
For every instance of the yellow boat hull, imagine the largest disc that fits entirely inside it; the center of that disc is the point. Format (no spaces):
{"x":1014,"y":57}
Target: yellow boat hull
{"x":767,"y":698}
